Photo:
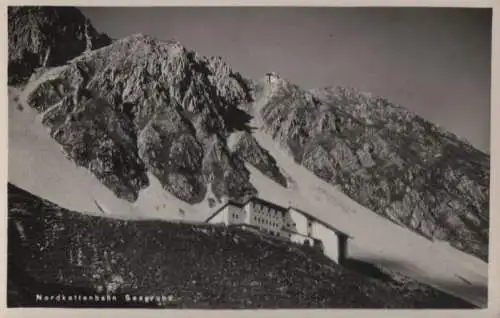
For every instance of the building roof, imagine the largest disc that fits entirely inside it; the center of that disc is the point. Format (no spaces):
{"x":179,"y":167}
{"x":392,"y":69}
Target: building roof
{"x":265,"y":202}
{"x":279,"y":208}
{"x":241,"y":205}
{"x":229,"y":202}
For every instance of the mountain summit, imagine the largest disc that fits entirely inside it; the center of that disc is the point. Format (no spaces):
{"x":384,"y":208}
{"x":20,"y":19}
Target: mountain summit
{"x":142,"y":104}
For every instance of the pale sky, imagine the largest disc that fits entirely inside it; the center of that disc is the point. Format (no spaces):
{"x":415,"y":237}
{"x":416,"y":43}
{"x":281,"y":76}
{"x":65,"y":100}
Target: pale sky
{"x":435,"y":62}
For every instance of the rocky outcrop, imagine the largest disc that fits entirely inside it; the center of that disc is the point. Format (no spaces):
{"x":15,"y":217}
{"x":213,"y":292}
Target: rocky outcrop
{"x":226,"y":171}
{"x":158,"y":107}
{"x":97,"y":137}
{"x":249,"y":149}
{"x":41,"y":37}
{"x":386,"y":158}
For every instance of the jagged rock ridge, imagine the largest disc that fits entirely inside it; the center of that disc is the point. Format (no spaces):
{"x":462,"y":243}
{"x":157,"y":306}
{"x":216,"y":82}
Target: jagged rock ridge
{"x":47,"y":36}
{"x":162,"y":108}
{"x":386,"y":158}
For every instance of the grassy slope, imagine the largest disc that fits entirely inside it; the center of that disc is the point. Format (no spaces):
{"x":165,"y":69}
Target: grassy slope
{"x":202,"y":266}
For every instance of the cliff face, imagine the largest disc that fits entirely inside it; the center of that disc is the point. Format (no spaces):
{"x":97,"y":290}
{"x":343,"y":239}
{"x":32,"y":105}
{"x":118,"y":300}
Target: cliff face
{"x":386,"y":158}
{"x":47,"y":36}
{"x":249,"y":149}
{"x":144,"y":105}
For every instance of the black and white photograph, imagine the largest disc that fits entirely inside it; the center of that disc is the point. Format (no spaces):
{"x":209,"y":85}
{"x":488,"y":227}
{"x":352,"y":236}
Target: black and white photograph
{"x":248,"y":158}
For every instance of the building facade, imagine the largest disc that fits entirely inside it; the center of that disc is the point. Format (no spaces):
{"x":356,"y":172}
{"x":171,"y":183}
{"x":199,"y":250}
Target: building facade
{"x":289,"y":224}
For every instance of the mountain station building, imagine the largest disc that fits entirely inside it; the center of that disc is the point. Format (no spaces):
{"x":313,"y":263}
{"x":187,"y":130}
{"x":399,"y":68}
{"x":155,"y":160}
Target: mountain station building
{"x":287,"y":223}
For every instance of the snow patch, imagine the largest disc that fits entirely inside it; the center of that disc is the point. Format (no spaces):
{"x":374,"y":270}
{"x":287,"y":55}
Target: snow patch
{"x":38,"y":165}
{"x":31,"y":86}
{"x":169,"y":206}
{"x":233,"y":139}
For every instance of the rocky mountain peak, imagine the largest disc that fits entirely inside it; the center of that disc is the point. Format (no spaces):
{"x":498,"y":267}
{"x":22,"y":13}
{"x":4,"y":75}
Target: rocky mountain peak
{"x":159,"y":108}
{"x":386,"y":158}
{"x":46,"y":37}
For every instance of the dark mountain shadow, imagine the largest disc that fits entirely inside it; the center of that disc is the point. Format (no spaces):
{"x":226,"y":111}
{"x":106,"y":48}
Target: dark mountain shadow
{"x":238,"y":120}
{"x":444,"y":301}
{"x":439,"y":299}
{"x":366,"y":269}
{"x":480,"y":291}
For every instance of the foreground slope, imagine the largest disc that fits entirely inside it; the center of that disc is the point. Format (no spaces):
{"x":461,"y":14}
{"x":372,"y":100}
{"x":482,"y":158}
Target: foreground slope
{"x":53,"y":250}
